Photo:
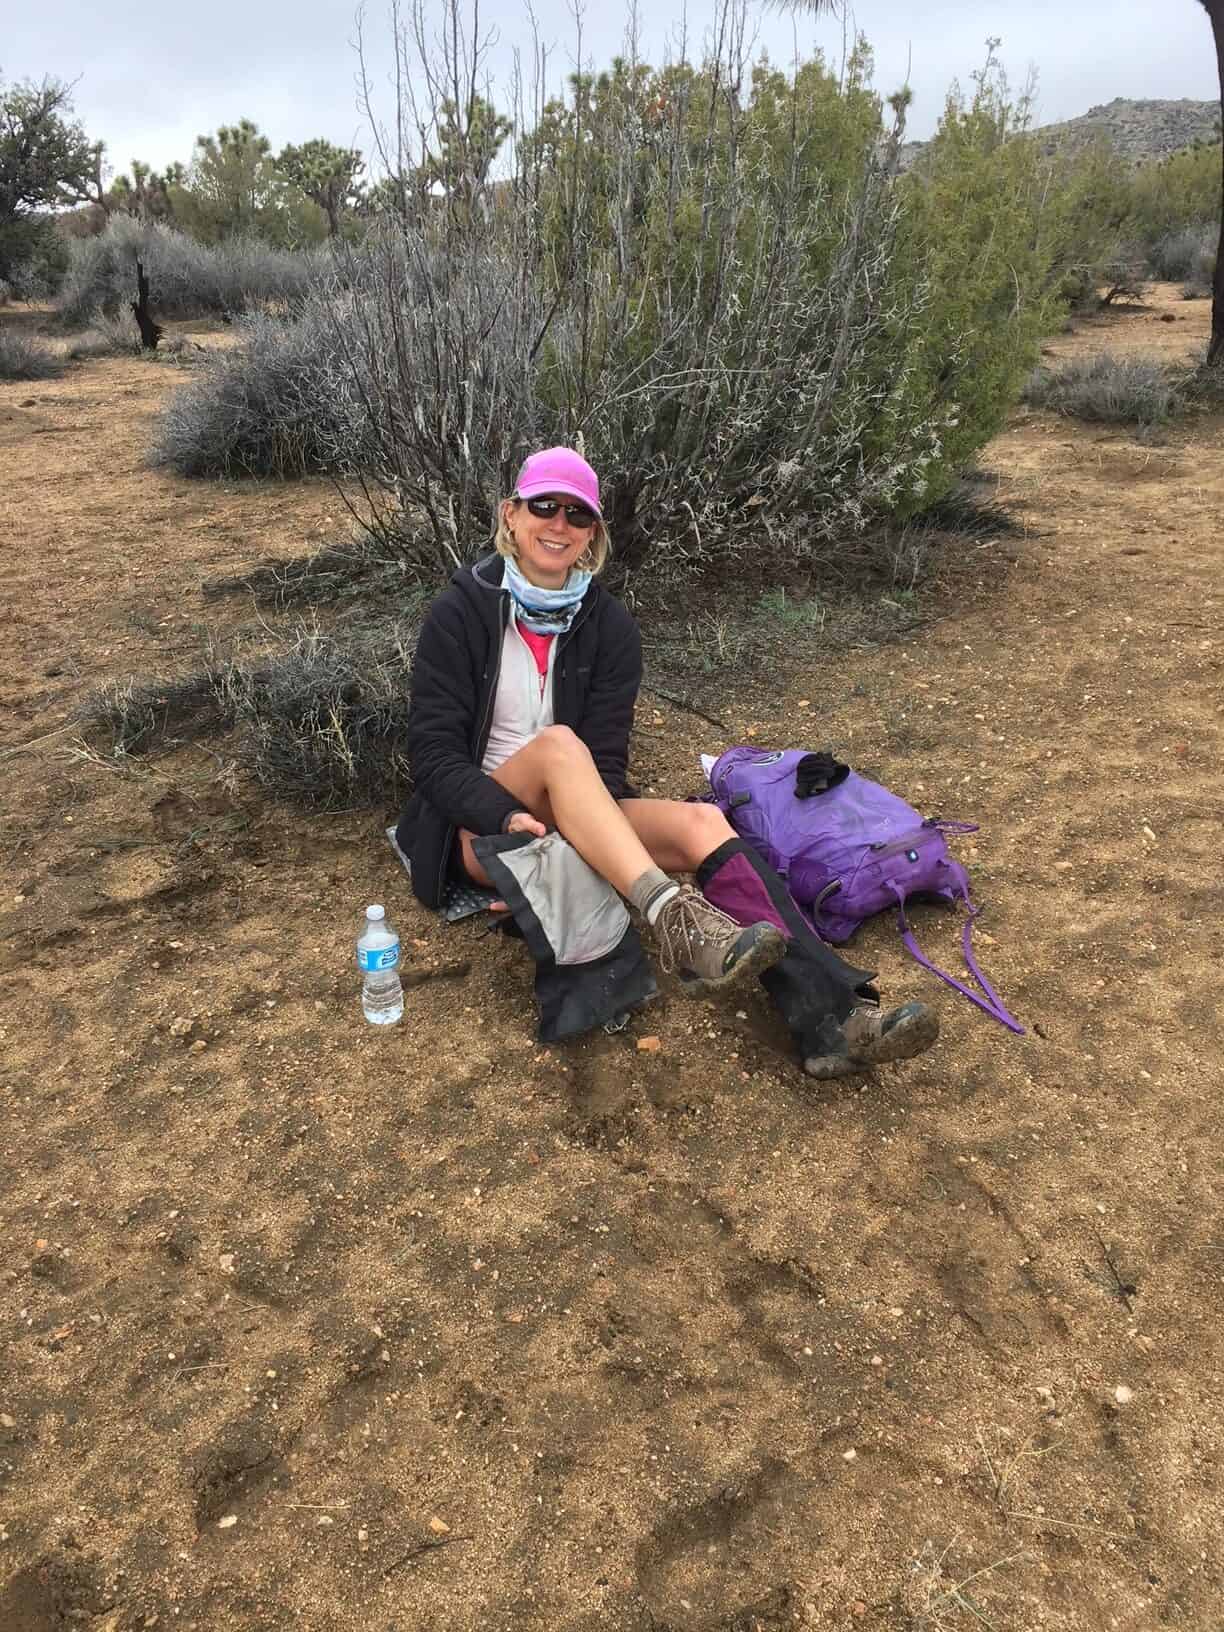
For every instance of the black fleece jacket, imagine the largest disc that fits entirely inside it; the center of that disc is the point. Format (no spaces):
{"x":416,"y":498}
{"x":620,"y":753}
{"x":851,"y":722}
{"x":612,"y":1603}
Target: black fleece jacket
{"x":596,"y":675}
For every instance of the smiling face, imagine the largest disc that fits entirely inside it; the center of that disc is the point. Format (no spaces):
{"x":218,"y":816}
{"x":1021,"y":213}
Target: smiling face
{"x":547,"y":547}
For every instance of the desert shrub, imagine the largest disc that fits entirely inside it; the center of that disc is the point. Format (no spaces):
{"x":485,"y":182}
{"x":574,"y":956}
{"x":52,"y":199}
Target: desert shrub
{"x":279,"y":403}
{"x":1108,"y":389}
{"x":324,"y":721}
{"x":23,"y":357}
{"x":321,"y":722}
{"x":999,"y":231}
{"x":187,"y":279}
{"x":1186,"y":255}
{"x":33,"y":255}
{"x":138,"y":716}
{"x":108,"y":336}
{"x":709,"y":277}
{"x":1120,"y":278}
{"x":1182,"y":189}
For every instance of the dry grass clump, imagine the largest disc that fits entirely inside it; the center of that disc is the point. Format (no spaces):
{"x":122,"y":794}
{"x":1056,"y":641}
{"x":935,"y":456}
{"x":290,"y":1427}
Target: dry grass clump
{"x":321,"y":722}
{"x":355,"y":570}
{"x":107,"y":336}
{"x":1107,"y":390}
{"x":22,"y":357}
{"x":324,"y":722}
{"x":141,"y":716}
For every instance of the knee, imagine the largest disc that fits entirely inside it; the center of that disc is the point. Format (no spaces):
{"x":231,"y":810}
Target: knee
{"x":704,"y":828}
{"x":560,"y":745}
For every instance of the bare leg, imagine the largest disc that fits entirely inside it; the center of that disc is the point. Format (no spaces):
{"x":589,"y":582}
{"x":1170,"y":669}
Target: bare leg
{"x":555,"y":778}
{"x":679,"y":835}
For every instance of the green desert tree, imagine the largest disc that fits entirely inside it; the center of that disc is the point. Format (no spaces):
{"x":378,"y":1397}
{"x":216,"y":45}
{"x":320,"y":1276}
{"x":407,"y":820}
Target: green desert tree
{"x":46,"y":162}
{"x":149,"y":194}
{"x":1180,"y":191}
{"x":232,"y":185}
{"x":467,"y":139}
{"x":327,"y":175}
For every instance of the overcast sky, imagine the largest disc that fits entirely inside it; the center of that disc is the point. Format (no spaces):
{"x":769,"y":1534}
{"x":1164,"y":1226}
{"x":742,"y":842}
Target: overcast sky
{"x":151,"y":77}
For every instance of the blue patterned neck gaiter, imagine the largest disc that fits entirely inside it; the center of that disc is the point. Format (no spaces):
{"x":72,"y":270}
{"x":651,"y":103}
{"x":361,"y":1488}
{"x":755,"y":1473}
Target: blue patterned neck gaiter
{"x":545,"y":611}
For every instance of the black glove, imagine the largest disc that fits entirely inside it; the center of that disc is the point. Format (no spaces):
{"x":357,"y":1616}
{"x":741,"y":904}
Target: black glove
{"x":817,"y":773}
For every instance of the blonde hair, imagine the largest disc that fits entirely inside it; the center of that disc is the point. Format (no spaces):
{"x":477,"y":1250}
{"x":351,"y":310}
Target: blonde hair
{"x":593,"y":559}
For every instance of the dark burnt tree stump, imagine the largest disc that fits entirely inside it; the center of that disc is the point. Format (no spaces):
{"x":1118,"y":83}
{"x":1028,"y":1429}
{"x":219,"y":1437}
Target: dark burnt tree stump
{"x":150,"y":332}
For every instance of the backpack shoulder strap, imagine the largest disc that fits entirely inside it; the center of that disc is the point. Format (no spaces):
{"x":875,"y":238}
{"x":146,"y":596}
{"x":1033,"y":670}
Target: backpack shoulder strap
{"x":991,"y":1003}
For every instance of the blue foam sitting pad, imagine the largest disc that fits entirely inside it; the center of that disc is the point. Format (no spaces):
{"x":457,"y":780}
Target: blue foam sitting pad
{"x":459,"y":900}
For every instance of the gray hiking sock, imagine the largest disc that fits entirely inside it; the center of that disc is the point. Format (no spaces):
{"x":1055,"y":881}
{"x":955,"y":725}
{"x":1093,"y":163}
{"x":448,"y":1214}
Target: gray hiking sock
{"x":651,"y":892}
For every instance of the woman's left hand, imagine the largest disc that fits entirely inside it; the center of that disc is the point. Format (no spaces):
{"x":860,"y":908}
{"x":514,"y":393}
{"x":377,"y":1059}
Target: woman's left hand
{"x":524,"y":822}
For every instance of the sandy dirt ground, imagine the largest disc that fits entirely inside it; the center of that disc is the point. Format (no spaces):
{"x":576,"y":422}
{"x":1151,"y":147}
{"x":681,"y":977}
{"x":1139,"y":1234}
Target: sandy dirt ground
{"x":307,"y":1326}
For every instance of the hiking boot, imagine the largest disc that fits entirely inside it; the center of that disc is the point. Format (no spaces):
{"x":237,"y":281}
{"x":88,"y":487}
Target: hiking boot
{"x":876,"y":1036}
{"x":708,"y":950}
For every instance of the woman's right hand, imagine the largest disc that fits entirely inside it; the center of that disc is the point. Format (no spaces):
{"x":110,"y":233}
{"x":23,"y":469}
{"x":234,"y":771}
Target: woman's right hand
{"x":524,"y":822}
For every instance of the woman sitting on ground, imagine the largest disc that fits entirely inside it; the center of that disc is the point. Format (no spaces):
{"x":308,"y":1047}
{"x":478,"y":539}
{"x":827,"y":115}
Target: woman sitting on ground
{"x":523,"y":690}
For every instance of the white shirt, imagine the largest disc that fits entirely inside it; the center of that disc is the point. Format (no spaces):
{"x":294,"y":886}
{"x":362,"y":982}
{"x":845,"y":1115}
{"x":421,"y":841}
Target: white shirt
{"x":523,"y":705}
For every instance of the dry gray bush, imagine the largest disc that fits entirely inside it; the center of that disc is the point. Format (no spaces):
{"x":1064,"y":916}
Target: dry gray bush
{"x":1186,"y":256}
{"x":324,"y":721}
{"x":704,"y":384}
{"x":108,"y":336}
{"x":1108,"y":389}
{"x":320,"y":721}
{"x":24,"y":357}
{"x":279,"y":403}
{"x":187,"y":279}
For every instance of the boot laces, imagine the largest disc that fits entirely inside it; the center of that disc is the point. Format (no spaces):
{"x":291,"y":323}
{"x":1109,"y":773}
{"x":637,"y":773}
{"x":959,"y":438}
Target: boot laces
{"x":686,"y":923}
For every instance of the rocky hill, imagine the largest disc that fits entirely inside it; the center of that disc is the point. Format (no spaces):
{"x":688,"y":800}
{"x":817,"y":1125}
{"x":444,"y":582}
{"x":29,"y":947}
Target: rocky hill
{"x":1140,"y":131}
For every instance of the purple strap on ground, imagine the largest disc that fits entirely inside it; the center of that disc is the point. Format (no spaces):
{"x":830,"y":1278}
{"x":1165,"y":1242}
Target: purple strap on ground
{"x":992,"y":1003}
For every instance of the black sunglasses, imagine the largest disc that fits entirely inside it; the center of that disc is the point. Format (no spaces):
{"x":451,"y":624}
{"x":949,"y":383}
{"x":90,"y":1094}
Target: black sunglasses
{"x":578,"y":515}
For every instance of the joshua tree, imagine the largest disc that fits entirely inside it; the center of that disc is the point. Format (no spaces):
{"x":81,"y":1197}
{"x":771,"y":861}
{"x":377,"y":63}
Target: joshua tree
{"x":1215,"y":352}
{"x":326,"y":174}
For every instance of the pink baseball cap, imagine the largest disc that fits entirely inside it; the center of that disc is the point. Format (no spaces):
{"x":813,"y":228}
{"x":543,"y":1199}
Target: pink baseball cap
{"x":559,"y":470}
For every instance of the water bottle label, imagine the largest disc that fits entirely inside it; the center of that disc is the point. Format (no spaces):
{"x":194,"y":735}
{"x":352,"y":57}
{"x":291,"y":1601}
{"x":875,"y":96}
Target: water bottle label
{"x":383,"y":957}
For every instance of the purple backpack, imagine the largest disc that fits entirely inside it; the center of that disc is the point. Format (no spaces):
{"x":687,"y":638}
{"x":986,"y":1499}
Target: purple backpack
{"x":847,"y":848}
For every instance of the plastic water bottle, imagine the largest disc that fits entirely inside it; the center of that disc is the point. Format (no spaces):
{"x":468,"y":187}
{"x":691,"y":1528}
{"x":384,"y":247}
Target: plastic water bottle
{"x":378,"y":950}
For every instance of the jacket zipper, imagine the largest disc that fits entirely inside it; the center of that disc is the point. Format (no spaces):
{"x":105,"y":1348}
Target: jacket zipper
{"x":562,"y":642}
{"x":482,"y":740}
